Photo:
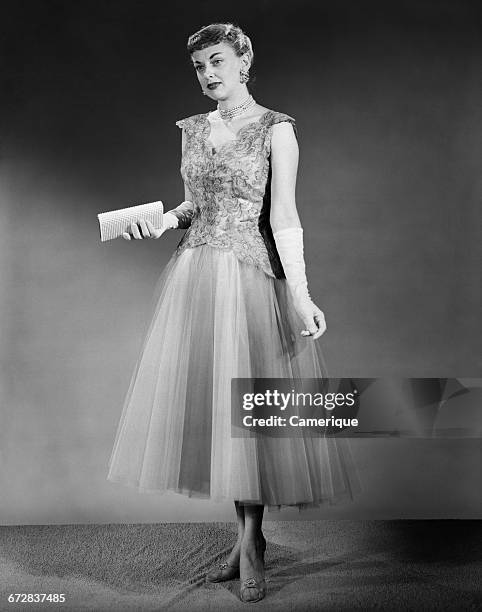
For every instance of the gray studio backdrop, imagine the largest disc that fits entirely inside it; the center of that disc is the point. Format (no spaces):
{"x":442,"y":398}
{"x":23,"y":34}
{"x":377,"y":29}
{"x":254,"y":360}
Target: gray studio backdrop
{"x":386,"y":106}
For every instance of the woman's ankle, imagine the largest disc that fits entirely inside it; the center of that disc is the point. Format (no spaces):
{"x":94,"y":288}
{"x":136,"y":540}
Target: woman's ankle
{"x":254,"y":539}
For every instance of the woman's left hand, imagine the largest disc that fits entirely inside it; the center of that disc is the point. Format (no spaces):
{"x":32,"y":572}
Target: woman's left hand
{"x":147,"y":229}
{"x":313,"y":318}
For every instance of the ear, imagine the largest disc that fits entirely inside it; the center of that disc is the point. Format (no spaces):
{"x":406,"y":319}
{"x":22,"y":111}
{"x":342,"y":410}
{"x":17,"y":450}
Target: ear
{"x":246,"y":61}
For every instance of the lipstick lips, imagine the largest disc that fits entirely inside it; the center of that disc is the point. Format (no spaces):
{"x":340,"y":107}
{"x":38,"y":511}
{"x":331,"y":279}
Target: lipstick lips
{"x":215,"y":83}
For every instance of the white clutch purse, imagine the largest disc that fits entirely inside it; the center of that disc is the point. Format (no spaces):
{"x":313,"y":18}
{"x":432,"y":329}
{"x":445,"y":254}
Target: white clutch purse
{"x":114,"y":223}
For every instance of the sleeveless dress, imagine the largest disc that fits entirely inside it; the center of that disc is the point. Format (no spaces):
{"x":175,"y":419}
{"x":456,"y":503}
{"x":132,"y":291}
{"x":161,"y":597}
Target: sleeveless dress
{"x":222,"y":309}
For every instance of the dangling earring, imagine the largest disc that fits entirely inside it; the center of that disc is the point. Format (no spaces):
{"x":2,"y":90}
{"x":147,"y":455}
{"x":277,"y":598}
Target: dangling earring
{"x":244,"y":76}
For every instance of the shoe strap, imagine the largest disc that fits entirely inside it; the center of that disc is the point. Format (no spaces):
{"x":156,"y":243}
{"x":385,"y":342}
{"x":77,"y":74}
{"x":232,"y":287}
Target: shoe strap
{"x":225,"y":565}
{"x":250,"y":582}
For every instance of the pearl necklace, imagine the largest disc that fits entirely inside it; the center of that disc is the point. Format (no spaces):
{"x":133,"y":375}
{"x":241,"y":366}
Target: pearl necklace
{"x":230,"y":113}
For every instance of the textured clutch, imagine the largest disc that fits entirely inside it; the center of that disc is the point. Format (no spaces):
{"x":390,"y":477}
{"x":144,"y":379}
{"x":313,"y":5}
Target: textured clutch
{"x":114,"y":223}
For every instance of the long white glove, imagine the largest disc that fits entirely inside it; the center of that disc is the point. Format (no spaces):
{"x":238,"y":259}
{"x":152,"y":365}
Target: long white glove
{"x":179,"y":217}
{"x":289,"y":243}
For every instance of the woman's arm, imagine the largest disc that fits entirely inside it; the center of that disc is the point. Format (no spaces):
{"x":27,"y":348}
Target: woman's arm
{"x":286,"y":226}
{"x":284,"y":164}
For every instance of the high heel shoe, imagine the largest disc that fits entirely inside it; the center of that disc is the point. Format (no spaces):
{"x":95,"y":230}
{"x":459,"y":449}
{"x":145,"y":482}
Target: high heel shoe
{"x":223,"y":572}
{"x":252,"y":589}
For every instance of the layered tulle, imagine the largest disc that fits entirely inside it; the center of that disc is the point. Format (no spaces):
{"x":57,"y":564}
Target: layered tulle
{"x":215,"y":318}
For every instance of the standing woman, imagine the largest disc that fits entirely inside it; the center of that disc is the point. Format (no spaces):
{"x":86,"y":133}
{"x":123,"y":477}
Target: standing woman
{"x":231,"y":302}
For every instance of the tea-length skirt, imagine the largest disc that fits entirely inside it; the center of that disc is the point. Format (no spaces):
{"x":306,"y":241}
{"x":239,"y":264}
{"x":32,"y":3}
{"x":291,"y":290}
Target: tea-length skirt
{"x":215,"y":317}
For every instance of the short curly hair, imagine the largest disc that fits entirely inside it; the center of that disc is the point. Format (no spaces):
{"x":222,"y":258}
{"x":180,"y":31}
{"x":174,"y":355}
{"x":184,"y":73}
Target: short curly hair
{"x":215,"y":33}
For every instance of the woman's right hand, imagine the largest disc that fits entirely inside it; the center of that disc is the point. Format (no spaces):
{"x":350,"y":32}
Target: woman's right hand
{"x":147,"y":229}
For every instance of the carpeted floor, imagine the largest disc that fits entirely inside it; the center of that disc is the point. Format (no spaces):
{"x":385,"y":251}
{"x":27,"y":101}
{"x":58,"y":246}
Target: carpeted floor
{"x":322,"y":565}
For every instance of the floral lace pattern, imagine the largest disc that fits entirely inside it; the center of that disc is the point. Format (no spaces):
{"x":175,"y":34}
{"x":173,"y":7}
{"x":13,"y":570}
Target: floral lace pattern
{"x":229,"y":186}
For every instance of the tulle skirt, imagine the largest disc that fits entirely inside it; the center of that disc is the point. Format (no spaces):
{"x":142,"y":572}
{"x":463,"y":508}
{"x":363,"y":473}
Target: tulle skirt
{"x":215,"y":318}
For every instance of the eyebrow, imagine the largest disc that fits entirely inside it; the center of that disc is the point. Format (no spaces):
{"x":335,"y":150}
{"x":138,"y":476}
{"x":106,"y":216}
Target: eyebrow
{"x":217,"y":52}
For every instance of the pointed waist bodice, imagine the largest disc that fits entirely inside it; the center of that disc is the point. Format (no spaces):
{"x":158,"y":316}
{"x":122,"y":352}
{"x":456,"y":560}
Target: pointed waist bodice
{"x":230,"y":187}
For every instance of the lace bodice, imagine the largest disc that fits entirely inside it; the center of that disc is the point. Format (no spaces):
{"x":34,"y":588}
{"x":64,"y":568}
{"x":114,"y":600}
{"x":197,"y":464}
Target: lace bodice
{"x":230,"y":188}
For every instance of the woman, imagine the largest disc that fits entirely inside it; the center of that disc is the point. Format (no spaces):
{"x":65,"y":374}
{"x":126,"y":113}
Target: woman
{"x":231,"y":302}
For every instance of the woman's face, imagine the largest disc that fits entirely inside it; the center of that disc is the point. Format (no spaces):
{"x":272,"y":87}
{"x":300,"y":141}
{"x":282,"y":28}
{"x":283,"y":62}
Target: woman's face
{"x":219,"y":64}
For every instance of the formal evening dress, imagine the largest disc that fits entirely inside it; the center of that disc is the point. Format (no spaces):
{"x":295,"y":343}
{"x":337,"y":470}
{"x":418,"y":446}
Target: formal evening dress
{"x":221,"y":310}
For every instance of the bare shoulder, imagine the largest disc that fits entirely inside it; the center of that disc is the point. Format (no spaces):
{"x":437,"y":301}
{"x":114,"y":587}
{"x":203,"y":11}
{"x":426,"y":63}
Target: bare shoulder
{"x":257,"y":112}
{"x":261,"y":110}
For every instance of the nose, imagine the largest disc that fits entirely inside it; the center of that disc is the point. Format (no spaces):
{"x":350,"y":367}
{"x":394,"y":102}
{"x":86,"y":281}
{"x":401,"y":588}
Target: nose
{"x":209,"y":73}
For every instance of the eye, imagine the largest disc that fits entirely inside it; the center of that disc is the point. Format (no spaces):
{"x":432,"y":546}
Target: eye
{"x":217,"y":61}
